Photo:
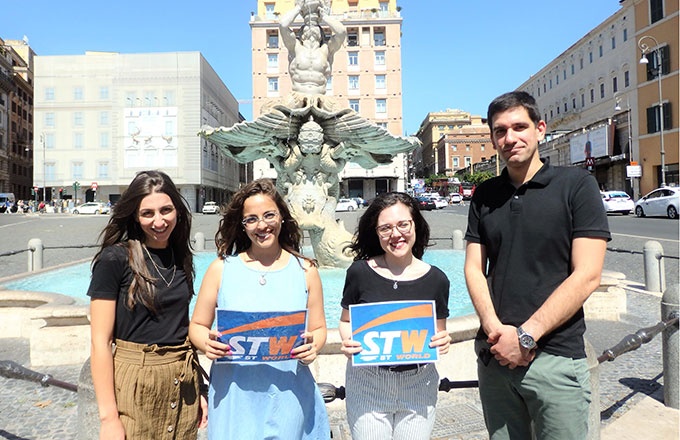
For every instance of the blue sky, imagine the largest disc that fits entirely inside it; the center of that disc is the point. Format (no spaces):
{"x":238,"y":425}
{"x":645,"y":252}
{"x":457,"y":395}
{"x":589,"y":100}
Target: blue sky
{"x":455,"y":53}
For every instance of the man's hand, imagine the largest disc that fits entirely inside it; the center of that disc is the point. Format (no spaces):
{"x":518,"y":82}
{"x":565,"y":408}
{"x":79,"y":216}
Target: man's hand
{"x":506,"y":349}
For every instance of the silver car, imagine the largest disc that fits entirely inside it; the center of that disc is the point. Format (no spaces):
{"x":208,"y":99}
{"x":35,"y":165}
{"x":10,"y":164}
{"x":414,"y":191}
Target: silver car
{"x":660,"y":202}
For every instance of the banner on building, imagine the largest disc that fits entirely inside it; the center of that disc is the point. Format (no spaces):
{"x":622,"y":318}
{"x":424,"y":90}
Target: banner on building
{"x":394,"y":332}
{"x":418,"y":185}
{"x":593,"y":143}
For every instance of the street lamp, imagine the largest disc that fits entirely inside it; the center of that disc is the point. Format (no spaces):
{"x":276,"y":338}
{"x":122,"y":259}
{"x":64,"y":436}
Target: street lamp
{"x":617,"y":108}
{"x":42,"y":140}
{"x":645,"y":49}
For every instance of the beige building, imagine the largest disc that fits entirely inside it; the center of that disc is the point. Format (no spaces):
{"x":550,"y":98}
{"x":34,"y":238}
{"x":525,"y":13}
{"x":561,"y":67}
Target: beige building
{"x":366,"y":77}
{"x":102,"y":117}
{"x":658,"y":19}
{"x":7,"y":86}
{"x":452,"y":139}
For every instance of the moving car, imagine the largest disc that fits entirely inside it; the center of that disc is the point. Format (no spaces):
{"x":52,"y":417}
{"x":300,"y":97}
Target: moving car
{"x":660,"y":202}
{"x":210,"y":208}
{"x":455,"y":198}
{"x":467,"y":190}
{"x":346,"y":205}
{"x":440,"y":202}
{"x":617,"y":201}
{"x":425,"y":204}
{"x":91,"y":208}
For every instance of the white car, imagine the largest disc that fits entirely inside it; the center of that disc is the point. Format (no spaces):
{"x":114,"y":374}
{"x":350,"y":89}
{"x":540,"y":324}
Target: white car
{"x":346,"y":205}
{"x":455,"y":198}
{"x":660,"y":202}
{"x":91,"y":208}
{"x":210,"y":208}
{"x":617,"y":201}
{"x":440,"y":202}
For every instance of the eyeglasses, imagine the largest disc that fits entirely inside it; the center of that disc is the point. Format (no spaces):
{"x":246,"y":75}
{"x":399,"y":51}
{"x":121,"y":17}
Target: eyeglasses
{"x":252,"y":221}
{"x":404,"y":227}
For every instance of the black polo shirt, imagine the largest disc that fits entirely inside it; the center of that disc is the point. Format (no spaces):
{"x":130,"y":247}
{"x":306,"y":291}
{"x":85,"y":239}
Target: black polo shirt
{"x":527,"y":232}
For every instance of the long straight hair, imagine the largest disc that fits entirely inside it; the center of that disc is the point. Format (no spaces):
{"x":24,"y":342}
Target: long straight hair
{"x":124,"y":230}
{"x":231,"y":237}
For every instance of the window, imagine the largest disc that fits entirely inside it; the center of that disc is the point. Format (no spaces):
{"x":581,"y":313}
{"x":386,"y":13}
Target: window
{"x":49,"y":171}
{"x":615,"y":85}
{"x":539,"y":90}
{"x":600,"y":50}
{"x":543,"y":87}
{"x":380,"y":82}
{"x":78,"y":119}
{"x":272,"y":61}
{"x":329,"y":85}
{"x":354,"y":105}
{"x":378,"y":38}
{"x":49,"y":141}
{"x":572,"y":69}
{"x":592,"y":95}
{"x":482,"y":147}
{"x":626,"y":79}
{"x":352,"y":38}
{"x":77,"y":140}
{"x":103,"y":170}
{"x":601,"y":90}
{"x":49,"y":94}
{"x":131,"y":99}
{"x":653,"y":118}
{"x":103,"y":93}
{"x":169,"y":128}
{"x":467,"y":147}
{"x":454,"y":147}
{"x":269,"y":11}
{"x":104,"y":139}
{"x":383,"y":6}
{"x":468,"y":161}
{"x":77,"y":170}
{"x":551,"y":114}
{"x":103,"y":118}
{"x":564,"y":74}
{"x":580,"y":62}
{"x":78,"y":94}
{"x":655,"y":10}
{"x":653,"y":63}
{"x":625,"y":35}
{"x":557,"y":79}
{"x":455,"y":161}
{"x":590,"y":57}
{"x":272,"y":84}
{"x":550,"y":83}
{"x":272,"y":40}
{"x":558,"y":108}
{"x":573,"y":103}
{"x":49,"y":119}
{"x":382,"y":124}
{"x":353,"y":82}
{"x":380,"y":58}
{"x":440,"y":127}
{"x":565,"y":107}
{"x":150,"y":99}
{"x":352,"y":58}
{"x":169,"y":97}
{"x":381,"y":106}
{"x":613,"y":42}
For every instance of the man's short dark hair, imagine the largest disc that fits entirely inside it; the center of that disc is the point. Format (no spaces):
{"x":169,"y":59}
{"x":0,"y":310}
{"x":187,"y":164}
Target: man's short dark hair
{"x":511,"y":100}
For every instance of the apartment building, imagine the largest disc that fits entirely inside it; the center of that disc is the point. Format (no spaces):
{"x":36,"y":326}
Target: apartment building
{"x":452,"y":139}
{"x":102,"y":117}
{"x":366,"y":77}
{"x":657,"y":20}
{"x":6,"y":88}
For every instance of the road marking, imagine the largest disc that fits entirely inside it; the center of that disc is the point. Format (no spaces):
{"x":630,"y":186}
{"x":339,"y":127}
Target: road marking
{"x":648,"y":238}
{"x":19,"y":223}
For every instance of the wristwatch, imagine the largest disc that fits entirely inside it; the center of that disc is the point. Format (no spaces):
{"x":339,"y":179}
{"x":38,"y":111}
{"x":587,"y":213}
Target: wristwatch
{"x":525,"y":339}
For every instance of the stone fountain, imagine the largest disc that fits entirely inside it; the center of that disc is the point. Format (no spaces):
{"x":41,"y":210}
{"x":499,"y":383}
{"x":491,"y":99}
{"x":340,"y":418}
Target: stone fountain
{"x":309,"y":137}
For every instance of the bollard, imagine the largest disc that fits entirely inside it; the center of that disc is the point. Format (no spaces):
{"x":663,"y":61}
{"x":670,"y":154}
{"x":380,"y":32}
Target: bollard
{"x":670,"y":307}
{"x":35,"y":254}
{"x":594,"y":413}
{"x":199,"y":244}
{"x":457,"y":241}
{"x":655,"y":277}
{"x":88,"y":412}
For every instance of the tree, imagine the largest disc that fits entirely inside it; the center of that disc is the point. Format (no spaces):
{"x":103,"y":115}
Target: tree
{"x":478,"y":178}
{"x":433,"y":177}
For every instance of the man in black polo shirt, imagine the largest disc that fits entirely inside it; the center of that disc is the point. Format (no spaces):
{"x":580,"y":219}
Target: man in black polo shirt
{"x":543,"y":232}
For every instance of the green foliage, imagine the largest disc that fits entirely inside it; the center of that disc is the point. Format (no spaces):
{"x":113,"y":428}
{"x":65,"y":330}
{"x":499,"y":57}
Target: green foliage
{"x":478,"y":178}
{"x":433,"y":177}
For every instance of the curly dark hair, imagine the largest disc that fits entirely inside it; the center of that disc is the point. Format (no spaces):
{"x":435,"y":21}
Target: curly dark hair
{"x":231,"y":237}
{"x":366,"y":243}
{"x":123,"y":229}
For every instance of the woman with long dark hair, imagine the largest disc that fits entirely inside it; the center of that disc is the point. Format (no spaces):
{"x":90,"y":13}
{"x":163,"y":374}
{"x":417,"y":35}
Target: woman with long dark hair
{"x":392,"y":401}
{"x":260,"y":268}
{"x":142,"y":283}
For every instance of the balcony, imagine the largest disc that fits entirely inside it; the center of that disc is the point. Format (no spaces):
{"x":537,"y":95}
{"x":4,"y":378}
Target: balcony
{"x":6,"y":83}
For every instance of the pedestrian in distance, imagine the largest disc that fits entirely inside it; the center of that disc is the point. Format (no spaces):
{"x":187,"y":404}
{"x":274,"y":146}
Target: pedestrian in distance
{"x":392,"y":402}
{"x":142,"y":283}
{"x":536,"y":241}
{"x":260,"y":269}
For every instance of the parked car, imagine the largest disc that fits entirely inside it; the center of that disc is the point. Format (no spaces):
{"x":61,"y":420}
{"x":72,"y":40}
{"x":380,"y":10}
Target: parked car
{"x":440,"y":202}
{"x":91,"y":208}
{"x":617,"y":201}
{"x":455,"y":198}
{"x":660,"y":202}
{"x":346,"y":205}
{"x":426,"y":204}
{"x":210,"y":208}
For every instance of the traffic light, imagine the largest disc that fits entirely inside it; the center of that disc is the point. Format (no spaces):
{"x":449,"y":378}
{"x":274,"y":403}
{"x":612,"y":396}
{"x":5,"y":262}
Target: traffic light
{"x":61,"y":192}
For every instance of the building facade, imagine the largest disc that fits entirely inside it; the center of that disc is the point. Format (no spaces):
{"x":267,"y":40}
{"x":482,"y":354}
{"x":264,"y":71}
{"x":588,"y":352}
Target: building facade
{"x":657,"y":19}
{"x":366,"y":77}
{"x":6,"y":88}
{"x":102,"y":117}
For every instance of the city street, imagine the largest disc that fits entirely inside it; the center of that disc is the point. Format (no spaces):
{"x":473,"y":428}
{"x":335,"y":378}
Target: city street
{"x":629,"y":233}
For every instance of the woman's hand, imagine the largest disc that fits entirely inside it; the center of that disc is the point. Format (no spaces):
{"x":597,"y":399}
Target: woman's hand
{"x":307,"y":352}
{"x":112,"y":429}
{"x":214,"y":349}
{"x":350,"y":347}
{"x":203,"y":412}
{"x":441,"y":339}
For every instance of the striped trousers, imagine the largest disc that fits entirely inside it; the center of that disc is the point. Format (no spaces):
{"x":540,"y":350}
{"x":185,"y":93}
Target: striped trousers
{"x":384,"y":404}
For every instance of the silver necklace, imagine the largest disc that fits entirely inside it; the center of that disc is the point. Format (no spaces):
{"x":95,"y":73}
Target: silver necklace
{"x":263,"y":280}
{"x":174,"y":267}
{"x":396,"y":279}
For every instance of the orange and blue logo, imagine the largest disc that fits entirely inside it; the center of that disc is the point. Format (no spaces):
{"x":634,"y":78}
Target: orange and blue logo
{"x":260,"y":336}
{"x":393,"y":332}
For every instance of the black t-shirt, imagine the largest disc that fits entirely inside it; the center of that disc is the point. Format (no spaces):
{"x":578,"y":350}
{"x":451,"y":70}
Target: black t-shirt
{"x":111,"y":278}
{"x":364,"y":285}
{"x":528,"y":232}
